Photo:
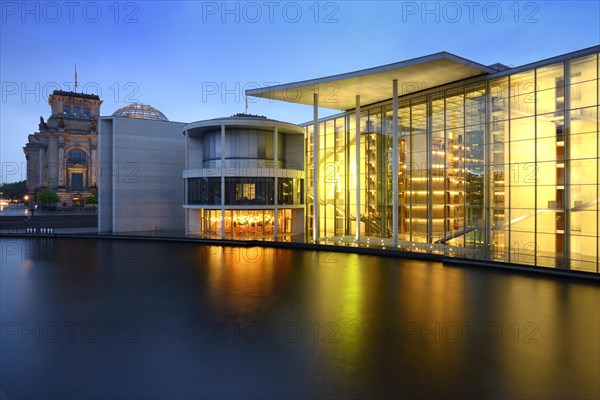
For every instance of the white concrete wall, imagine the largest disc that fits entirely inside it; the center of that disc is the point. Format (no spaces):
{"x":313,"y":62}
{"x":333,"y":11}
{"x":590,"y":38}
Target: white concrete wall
{"x":147,"y":187}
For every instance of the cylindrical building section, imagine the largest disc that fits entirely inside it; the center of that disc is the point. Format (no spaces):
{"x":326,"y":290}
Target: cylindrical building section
{"x":244,"y":178}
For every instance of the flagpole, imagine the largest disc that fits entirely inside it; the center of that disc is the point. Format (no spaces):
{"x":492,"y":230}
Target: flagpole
{"x":76,"y":78}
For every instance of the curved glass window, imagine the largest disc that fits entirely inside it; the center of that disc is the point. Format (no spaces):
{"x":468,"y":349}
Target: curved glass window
{"x":243,"y":144}
{"x":245,"y":191}
{"x":246,"y":223}
{"x":77,"y":111}
{"x":205,"y":191}
{"x":66,"y":110}
{"x":211,"y":146}
{"x":249,"y":191}
{"x":290,"y":191}
{"x":86,"y":112}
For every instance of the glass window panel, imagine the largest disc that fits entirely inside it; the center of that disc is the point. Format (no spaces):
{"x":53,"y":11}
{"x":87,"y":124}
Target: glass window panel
{"x":583,"y":197}
{"x":546,"y":222}
{"x":583,"y":253}
{"x":545,"y":173}
{"x":522,"y":151}
{"x":523,"y":248}
{"x":454,"y":110}
{"x":522,"y":129}
{"x":583,"y":94}
{"x":549,"y":124}
{"x":547,"y":150}
{"x":550,"y":100}
{"x":522,"y":105}
{"x":584,"y":145}
{"x":499,"y":88}
{"x":522,"y":83}
{"x":419,"y":118}
{"x":550,"y":77}
{"x":522,"y":197}
{"x":583,"y":171}
{"x":437,"y":114}
{"x":584,"y":69}
{"x":261,"y":144}
{"x":583,"y":120}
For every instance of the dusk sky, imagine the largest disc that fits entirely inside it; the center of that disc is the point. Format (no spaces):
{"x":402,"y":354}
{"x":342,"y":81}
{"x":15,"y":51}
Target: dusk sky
{"x":194,"y":60}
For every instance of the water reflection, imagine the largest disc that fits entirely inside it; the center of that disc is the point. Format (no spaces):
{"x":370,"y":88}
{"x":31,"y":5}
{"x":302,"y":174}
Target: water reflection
{"x":189,"y":321}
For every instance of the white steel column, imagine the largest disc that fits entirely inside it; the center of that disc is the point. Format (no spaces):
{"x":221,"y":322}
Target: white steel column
{"x":488,"y":176}
{"x":222,"y":181}
{"x":357,"y":133}
{"x":567,"y":170}
{"x":275,"y":194}
{"x":316,"y":168}
{"x":395,"y":161}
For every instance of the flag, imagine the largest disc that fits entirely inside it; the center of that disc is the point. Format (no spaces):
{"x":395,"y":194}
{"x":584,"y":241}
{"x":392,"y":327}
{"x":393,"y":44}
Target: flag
{"x":76,"y":77}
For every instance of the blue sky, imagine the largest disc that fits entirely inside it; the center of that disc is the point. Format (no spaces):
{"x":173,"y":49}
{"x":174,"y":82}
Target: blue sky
{"x":193,"y":60}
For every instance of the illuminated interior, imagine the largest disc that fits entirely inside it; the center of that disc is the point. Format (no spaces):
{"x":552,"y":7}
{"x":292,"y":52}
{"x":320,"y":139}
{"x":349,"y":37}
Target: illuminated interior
{"x":244,"y":179}
{"x":246,"y":223}
{"x":503,"y":167}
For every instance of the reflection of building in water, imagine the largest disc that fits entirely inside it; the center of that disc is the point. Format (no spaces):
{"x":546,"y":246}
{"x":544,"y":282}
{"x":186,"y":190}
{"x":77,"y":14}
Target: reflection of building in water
{"x":244,"y":177}
{"x":62,"y":155}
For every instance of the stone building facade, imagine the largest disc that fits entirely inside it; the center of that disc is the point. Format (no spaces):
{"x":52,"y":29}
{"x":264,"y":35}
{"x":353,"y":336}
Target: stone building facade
{"x":62,"y":154}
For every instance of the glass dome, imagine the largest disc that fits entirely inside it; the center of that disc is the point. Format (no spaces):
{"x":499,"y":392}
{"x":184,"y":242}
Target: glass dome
{"x":139,"y":110}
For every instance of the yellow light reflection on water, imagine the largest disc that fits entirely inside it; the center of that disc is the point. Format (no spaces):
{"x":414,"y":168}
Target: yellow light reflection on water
{"x":340,"y":306}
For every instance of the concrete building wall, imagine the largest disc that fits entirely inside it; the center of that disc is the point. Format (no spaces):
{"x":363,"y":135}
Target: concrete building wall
{"x":146,"y":189}
{"x":105,"y":188}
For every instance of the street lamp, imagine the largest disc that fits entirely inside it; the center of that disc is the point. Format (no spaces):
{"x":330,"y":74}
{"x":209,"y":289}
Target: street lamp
{"x":26,"y":198}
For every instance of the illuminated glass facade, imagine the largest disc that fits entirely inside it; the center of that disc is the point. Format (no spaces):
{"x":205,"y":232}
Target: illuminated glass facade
{"x":500,"y":167}
{"x":244,"y":179}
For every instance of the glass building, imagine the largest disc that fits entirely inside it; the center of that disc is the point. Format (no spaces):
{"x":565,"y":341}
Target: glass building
{"x":244,"y":178}
{"x":443,"y":155}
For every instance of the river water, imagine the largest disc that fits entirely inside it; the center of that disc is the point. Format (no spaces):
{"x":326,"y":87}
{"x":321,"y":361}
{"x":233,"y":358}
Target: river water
{"x":134,"y":319}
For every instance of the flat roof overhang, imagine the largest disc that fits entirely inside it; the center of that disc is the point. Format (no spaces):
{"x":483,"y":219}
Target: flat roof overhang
{"x":375,"y":84}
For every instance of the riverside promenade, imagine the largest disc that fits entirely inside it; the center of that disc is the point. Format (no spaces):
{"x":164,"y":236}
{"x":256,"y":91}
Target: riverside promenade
{"x":16,"y":219}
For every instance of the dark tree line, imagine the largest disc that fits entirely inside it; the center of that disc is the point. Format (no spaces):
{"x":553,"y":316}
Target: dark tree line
{"x":14,"y":190}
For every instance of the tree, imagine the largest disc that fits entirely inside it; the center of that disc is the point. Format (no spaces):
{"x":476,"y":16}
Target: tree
{"x":93,"y":199}
{"x":47,"y":197}
{"x":15,"y":190}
